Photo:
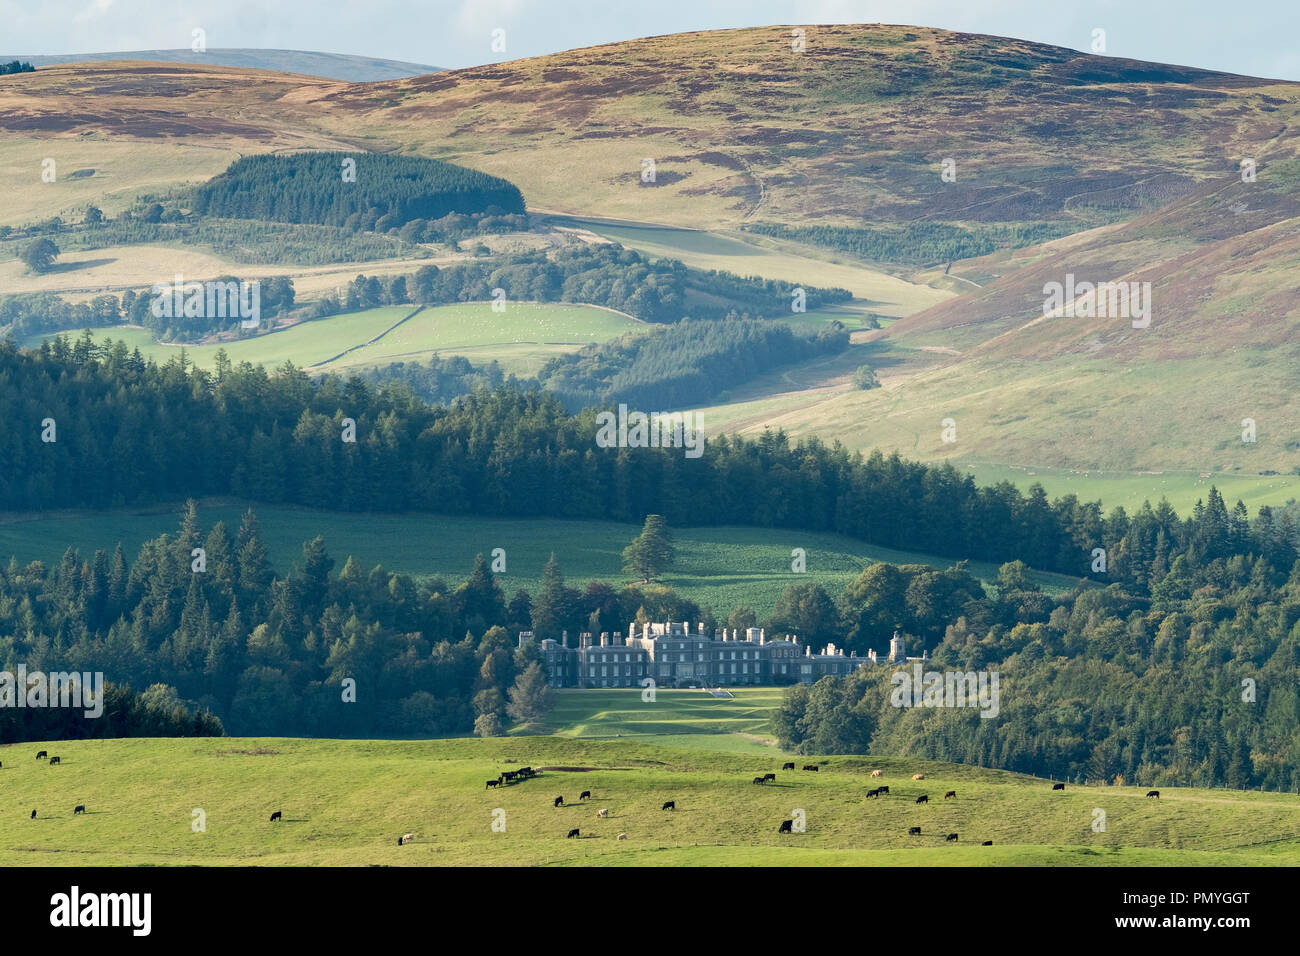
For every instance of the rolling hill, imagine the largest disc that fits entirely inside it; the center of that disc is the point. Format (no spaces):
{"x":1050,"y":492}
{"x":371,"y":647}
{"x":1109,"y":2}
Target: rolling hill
{"x":345,"y":802}
{"x":1138,"y":162}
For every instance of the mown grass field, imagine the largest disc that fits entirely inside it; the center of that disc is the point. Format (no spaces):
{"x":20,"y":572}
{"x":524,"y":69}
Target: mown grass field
{"x":521,"y":338}
{"x":689,"y":718}
{"x":721,"y":567}
{"x":345,"y":803}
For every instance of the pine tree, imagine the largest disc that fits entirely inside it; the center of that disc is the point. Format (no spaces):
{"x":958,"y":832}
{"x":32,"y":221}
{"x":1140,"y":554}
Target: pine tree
{"x":652,"y":552}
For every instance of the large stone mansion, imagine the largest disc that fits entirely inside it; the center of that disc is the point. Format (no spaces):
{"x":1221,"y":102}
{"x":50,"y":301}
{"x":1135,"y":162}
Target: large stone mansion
{"x":675,"y":656}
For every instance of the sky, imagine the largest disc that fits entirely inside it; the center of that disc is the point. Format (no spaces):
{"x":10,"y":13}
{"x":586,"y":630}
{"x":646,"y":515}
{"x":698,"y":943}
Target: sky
{"x":1253,"y":38}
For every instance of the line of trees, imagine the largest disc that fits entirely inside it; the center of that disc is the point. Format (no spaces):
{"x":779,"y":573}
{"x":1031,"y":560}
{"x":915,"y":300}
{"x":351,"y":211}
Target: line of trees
{"x":919,"y":243}
{"x":26,"y":314}
{"x":659,"y":290}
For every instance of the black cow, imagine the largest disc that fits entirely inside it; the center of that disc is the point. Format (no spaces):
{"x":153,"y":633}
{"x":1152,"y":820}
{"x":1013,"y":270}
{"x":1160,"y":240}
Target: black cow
{"x":80,"y":808}
{"x":1058,"y":786}
{"x":276,"y":816}
{"x":787,"y":826}
{"x":950,"y":793}
{"x":526,"y":771}
{"x":43,"y":753}
{"x":884,"y":790}
{"x":53,"y":761}
{"x":1154,"y":793}
{"x":987,"y":843}
{"x":923,"y":798}
{"x":491,"y":784}
{"x":873,"y":793}
{"x":787,"y":766}
{"x":951,"y":838}
{"x":913,"y":831}
{"x":33,"y":814}
{"x":509,"y":776}
{"x":810,"y":766}
{"x":573,"y":833}
{"x":670,"y":805}
{"x":760,"y":779}
{"x":769,"y":776}
{"x":559,"y":802}
{"x":584,"y":795}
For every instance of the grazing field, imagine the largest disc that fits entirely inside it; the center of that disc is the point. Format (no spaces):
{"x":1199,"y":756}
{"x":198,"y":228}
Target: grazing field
{"x":345,"y":803}
{"x":721,"y":567}
{"x":520,"y":339}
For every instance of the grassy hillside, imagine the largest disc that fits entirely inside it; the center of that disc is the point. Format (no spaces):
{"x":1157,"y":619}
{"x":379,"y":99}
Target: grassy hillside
{"x":742,"y":127}
{"x":345,"y":803}
{"x":718,"y":567}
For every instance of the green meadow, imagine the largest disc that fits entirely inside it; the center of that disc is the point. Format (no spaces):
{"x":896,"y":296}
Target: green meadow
{"x":718,"y":567}
{"x":208,"y":801}
{"x":520,"y":338}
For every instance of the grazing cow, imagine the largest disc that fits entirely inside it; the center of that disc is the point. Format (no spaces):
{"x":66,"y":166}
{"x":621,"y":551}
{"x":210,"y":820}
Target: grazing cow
{"x":810,"y":766}
{"x":913,"y":831}
{"x":950,"y":838}
{"x":559,"y":802}
{"x":787,"y":766}
{"x":918,"y":776}
{"x":770,"y":776}
{"x":884,"y":790}
{"x":622,"y":836}
{"x":670,"y":805}
{"x":276,"y":816}
{"x":584,"y":795}
{"x":1154,"y":793}
{"x":950,"y":794}
{"x":79,"y":808}
{"x":509,"y":776}
{"x":491,"y":784}
{"x":53,"y":761}
{"x":760,"y":779}
{"x":602,"y":813}
{"x":923,"y":798}
{"x":573,"y":833}
{"x":787,"y":826}
{"x":43,"y":753}
{"x":877,"y":773}
{"x":873,"y":793}
{"x":33,"y":814}
{"x":987,"y":843}
{"x":1058,"y":786}
{"x":405,"y":838}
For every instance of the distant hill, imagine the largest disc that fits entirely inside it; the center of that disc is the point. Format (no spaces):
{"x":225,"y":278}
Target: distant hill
{"x":332,"y":66}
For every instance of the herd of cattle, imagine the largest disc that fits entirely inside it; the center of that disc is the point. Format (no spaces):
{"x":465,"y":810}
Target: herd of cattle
{"x":511,"y":777}
{"x":787,"y":826}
